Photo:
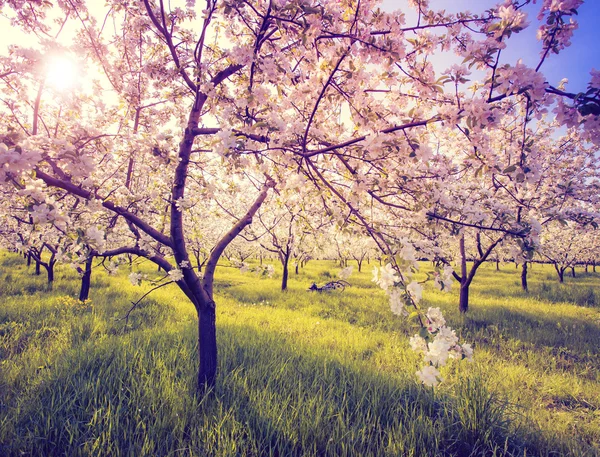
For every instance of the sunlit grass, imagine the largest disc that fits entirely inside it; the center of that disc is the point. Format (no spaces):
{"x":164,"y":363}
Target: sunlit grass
{"x":301,"y":373}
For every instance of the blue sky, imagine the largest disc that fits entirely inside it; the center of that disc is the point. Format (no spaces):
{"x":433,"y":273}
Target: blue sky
{"x":573,"y":63}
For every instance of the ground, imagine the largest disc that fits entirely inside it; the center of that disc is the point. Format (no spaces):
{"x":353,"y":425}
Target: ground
{"x":300,"y":373}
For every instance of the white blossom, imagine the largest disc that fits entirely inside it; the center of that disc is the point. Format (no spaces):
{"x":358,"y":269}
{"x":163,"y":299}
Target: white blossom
{"x":95,"y":237}
{"x":397,"y":302}
{"x":467,"y":351}
{"x":387,"y":277}
{"x":435,"y":318}
{"x":429,"y":376}
{"x":418,"y":344}
{"x":437,"y":353}
{"x":175,"y":274}
{"x":415,"y":290}
{"x":135,"y":278}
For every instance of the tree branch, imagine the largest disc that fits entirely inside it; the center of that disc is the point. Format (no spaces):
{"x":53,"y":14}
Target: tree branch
{"x":211,"y":265}
{"x":78,"y":191}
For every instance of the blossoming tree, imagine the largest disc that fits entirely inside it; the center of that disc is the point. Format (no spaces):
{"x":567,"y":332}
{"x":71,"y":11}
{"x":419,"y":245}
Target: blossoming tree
{"x":338,"y":92}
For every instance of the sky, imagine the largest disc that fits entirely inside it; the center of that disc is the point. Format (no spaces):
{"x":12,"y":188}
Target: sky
{"x":574,"y":63}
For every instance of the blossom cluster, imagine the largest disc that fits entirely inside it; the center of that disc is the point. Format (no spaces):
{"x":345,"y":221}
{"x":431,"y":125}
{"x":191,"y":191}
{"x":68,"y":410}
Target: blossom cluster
{"x":556,"y":31}
{"x":175,"y":274}
{"x":15,"y":160}
{"x":136,"y":278}
{"x":436,"y":342}
{"x":512,"y":79}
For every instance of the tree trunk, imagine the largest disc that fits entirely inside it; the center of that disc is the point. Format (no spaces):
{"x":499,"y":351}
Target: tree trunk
{"x":207,"y":347}
{"x":497,"y":265}
{"x":561,"y":274}
{"x":359,"y":265}
{"x":524,"y":277}
{"x":297,"y":266}
{"x":37,"y":268}
{"x":586,"y":267}
{"x":86,"y":280}
{"x":28,"y":260}
{"x":284,"y":277}
{"x":594,"y":267}
{"x":463,"y":304}
{"x":50,"y":271}
{"x":573,"y":272}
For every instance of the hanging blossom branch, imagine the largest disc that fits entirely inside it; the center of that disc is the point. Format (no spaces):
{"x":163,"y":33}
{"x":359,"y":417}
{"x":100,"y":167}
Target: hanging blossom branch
{"x":435,"y":342}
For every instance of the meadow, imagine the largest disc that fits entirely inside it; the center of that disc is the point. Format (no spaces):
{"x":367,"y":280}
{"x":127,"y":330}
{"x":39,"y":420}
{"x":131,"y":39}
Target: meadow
{"x":301,"y":373}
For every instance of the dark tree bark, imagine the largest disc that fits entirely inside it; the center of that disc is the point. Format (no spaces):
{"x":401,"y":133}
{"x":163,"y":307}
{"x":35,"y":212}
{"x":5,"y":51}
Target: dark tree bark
{"x":37,"y":268}
{"x":463,"y":305}
{"x":284,"y":277}
{"x":561,"y":273}
{"x":86,"y":280}
{"x":467,"y":275}
{"x":50,"y":271}
{"x":49,"y":266}
{"x":207,"y":347}
{"x":28,"y":259}
{"x":524,"y":285}
{"x":573,"y":272}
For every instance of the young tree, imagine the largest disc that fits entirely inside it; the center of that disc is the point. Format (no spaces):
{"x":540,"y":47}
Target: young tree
{"x":287,"y":221}
{"x":564,"y":245}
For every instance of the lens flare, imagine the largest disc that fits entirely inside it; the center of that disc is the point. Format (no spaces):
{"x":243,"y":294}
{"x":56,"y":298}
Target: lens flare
{"x":61,"y":73}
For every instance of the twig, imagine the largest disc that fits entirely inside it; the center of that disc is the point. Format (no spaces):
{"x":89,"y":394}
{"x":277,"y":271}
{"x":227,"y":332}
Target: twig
{"x":136,"y":303}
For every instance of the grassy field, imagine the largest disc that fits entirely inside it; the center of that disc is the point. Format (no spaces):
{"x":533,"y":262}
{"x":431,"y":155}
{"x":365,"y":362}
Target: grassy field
{"x":301,"y":374}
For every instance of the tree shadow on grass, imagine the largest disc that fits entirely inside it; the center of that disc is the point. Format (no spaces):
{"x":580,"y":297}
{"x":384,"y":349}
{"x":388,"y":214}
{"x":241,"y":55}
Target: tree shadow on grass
{"x":568,"y":342}
{"x":135,"y":395}
{"x":583,"y":290}
{"x":577,"y":293}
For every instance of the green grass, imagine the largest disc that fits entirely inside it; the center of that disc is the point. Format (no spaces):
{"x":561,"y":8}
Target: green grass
{"x":300,"y":374}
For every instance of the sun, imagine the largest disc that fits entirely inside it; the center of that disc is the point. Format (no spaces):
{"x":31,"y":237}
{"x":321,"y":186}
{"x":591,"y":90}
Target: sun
{"x":61,"y":73}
